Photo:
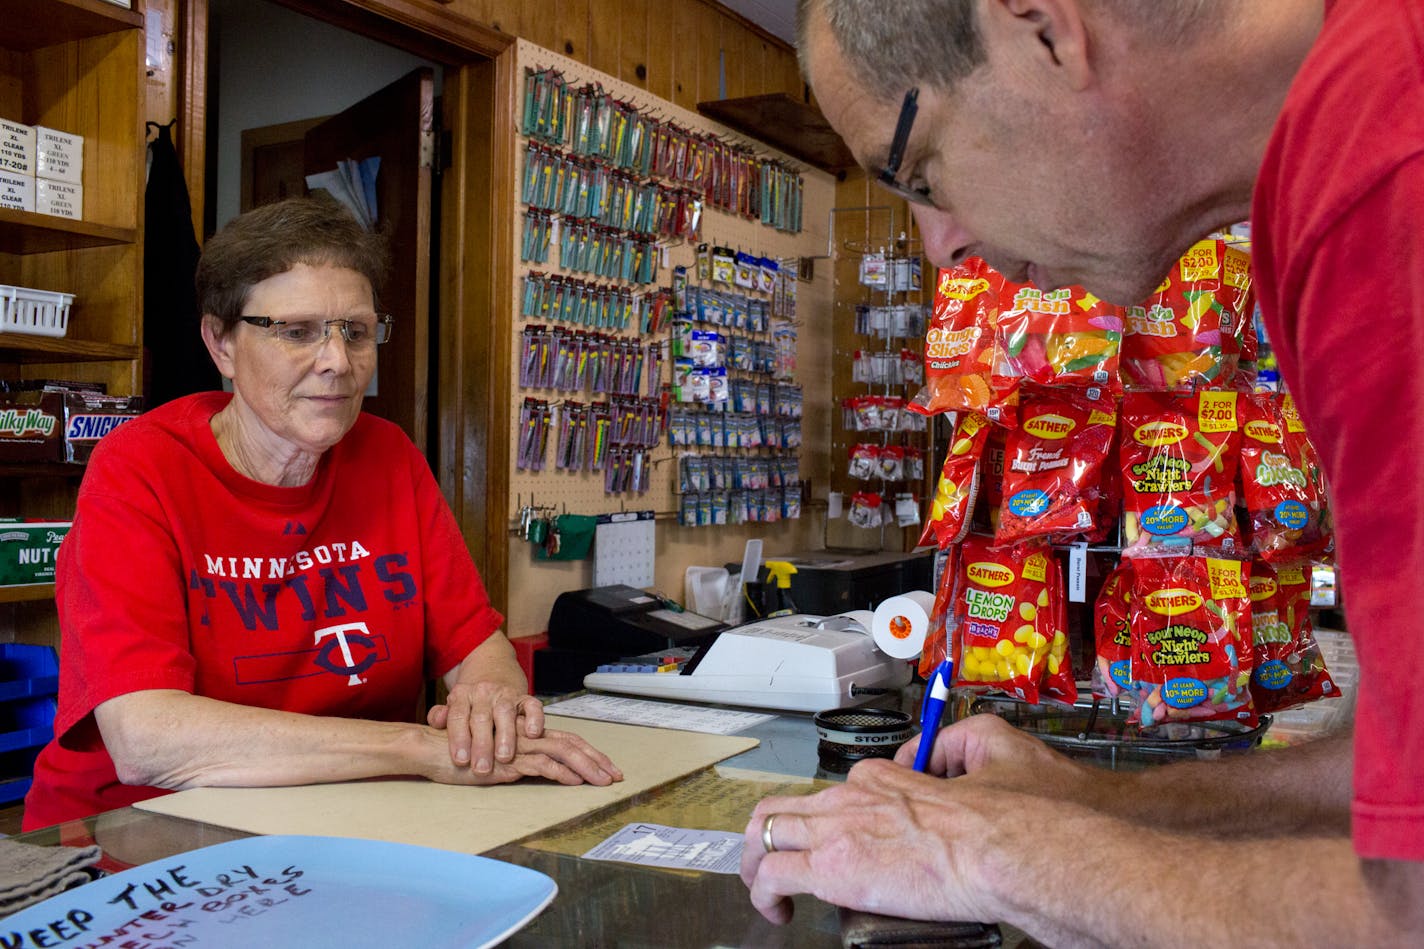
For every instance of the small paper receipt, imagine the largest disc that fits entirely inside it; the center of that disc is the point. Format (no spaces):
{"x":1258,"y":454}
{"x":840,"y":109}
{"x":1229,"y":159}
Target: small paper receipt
{"x":677,"y":848}
{"x":688,"y":718}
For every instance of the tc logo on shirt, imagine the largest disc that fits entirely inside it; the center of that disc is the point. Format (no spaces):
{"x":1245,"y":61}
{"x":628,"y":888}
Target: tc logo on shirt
{"x":347,"y":649}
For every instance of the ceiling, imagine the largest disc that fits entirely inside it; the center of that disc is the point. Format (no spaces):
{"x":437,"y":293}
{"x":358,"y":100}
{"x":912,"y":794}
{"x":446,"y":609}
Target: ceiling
{"x":777,"y":17}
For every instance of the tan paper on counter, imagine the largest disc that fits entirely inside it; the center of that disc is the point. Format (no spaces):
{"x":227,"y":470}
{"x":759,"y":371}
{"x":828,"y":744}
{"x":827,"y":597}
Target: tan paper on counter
{"x":463,"y":819}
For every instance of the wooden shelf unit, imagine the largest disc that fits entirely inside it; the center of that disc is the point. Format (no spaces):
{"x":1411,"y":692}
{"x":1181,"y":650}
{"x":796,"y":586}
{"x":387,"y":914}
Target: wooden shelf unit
{"x":23,"y":232}
{"x":76,"y":66}
{"x":27,"y":593}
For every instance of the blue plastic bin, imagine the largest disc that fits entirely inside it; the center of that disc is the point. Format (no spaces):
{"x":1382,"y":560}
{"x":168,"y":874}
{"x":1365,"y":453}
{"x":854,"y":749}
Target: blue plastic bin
{"x":29,"y":681}
{"x":27,"y":671}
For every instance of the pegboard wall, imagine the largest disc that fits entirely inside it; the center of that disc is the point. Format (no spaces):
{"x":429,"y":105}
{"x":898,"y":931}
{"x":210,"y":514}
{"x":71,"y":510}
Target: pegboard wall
{"x":583,"y":491}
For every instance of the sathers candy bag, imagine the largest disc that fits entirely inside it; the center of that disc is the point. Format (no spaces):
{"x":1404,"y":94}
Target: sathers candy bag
{"x":953,"y":502}
{"x":1289,"y":670}
{"x":1280,"y":492}
{"x":1188,"y":331}
{"x":1053,"y":464}
{"x":942,"y":617}
{"x":1179,"y":454}
{"x":991,"y":482}
{"x":959,"y":340}
{"x":1006,"y":623}
{"x":1063,"y":337}
{"x":1191,"y":639}
{"x":1112,"y":675}
{"x":1058,"y":684}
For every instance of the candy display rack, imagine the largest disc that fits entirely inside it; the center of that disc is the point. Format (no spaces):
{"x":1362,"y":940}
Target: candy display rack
{"x":880,"y":452}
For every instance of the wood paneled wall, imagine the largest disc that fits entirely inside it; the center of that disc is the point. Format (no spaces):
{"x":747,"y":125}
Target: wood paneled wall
{"x":676,"y":49}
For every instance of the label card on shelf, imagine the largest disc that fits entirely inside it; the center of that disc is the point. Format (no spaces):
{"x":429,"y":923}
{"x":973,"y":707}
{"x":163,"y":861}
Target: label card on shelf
{"x":17,"y":148}
{"x":17,"y":192}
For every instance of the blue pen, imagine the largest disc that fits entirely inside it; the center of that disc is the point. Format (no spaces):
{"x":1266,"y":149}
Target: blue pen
{"x":936,"y":694}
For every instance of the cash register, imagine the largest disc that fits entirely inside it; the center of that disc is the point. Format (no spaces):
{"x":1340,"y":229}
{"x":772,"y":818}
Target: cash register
{"x":612,"y":624}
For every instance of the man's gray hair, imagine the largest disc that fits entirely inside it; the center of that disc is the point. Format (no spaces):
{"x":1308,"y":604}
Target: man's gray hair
{"x":891,"y":47}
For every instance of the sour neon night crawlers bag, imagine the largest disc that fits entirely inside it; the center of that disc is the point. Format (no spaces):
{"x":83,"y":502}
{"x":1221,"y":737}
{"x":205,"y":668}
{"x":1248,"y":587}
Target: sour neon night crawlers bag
{"x":1179,"y":454}
{"x":1191,"y":639}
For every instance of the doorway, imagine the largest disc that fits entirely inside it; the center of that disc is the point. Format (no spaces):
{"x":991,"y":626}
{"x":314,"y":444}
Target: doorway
{"x":309,"y":47}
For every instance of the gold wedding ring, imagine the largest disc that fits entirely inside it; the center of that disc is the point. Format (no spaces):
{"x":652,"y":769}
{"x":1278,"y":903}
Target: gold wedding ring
{"x":766,"y":841}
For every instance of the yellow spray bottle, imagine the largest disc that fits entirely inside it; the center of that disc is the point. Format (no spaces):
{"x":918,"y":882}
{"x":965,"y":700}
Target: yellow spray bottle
{"x":778,"y":576}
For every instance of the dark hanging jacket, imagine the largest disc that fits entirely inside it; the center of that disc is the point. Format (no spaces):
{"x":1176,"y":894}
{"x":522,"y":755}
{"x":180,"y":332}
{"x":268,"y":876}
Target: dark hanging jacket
{"x":178,"y":362}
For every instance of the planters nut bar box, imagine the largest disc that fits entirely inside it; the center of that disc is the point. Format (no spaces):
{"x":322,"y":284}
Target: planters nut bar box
{"x":88,"y":417}
{"x":28,"y":549}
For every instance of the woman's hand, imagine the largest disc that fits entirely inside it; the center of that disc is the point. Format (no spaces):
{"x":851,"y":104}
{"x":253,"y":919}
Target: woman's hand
{"x":554,"y":755}
{"x":483,"y":722}
{"x":494,"y":730}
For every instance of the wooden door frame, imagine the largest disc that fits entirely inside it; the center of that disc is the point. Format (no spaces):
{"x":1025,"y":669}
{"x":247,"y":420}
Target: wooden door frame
{"x":473,"y":401}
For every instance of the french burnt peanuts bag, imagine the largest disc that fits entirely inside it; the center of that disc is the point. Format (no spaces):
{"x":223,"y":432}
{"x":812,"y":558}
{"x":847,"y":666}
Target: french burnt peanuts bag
{"x":1191,"y":639}
{"x":1112,"y":634}
{"x":1005,"y":620}
{"x":1281,"y":495}
{"x":1179,"y":453}
{"x":1053,"y":464}
{"x":1289,"y":670}
{"x":1188,"y":332}
{"x":953,"y":503}
{"x":959,"y":341}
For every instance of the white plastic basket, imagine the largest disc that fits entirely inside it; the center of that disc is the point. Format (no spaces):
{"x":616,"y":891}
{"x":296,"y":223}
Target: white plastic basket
{"x":38,"y":312}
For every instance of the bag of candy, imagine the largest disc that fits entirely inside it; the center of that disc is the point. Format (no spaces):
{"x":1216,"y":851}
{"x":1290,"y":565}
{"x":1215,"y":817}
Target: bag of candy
{"x":958,"y":487}
{"x":1289,"y":671}
{"x":1112,"y":674}
{"x":1191,"y":639}
{"x":1058,"y":684}
{"x":1279,"y":491}
{"x":1248,"y":365}
{"x":1063,"y":337}
{"x":1179,"y":454}
{"x":1188,"y":331}
{"x":1310,"y":464}
{"x":959,"y":344}
{"x":1109,"y":507}
{"x":991,"y":482}
{"x":1053,"y":464}
{"x":942,"y":619}
{"x":1005,"y":621}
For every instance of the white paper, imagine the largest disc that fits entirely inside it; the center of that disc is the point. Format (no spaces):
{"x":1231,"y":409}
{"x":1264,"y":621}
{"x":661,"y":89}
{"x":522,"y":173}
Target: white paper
{"x":334,"y":184}
{"x":353,"y":183}
{"x":688,"y":718}
{"x":678,"y":848}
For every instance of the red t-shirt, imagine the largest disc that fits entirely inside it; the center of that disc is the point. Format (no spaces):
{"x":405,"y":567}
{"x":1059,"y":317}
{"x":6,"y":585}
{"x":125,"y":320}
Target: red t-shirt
{"x":340,"y":597}
{"x":1338,"y":243}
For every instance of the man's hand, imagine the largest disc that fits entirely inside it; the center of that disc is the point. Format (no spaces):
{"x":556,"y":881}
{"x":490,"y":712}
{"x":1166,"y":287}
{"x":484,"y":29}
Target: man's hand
{"x":1000,"y":755}
{"x":889,"y":841}
{"x":895,"y":842}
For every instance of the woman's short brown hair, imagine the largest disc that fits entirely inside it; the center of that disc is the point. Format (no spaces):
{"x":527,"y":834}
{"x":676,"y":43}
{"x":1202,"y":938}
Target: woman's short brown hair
{"x":273,"y":239}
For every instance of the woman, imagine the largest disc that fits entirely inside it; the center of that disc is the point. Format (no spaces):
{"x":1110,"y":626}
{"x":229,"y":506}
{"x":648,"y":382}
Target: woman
{"x":257,"y":586}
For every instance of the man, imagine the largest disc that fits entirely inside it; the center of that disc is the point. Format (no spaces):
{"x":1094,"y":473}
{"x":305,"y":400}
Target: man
{"x":1090,"y":142}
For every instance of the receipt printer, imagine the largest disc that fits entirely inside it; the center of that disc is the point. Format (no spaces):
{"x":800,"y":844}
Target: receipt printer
{"x":588,"y":628}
